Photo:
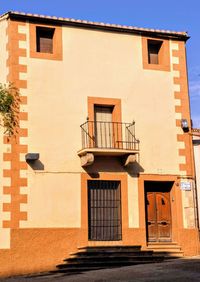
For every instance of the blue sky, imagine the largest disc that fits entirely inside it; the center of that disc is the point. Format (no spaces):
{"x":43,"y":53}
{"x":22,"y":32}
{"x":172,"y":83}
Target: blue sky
{"x":179,"y":15}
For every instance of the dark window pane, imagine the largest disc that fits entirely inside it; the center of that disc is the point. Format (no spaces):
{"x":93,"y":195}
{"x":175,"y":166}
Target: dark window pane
{"x":45,"y":39}
{"x":153,"y":51}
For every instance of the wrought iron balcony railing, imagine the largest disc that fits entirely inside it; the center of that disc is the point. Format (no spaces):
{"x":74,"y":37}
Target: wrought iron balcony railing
{"x":109,"y":135}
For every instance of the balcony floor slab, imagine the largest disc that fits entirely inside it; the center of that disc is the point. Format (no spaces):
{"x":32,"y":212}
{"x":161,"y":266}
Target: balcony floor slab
{"x":107,"y":152}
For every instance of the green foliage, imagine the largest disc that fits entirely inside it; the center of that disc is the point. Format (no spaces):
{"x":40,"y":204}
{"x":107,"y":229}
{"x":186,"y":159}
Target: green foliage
{"x":9,"y":108}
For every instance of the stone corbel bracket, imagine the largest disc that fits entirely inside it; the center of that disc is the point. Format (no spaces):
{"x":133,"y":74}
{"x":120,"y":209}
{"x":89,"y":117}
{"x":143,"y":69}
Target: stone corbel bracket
{"x":87,"y":159}
{"x":130,"y":159}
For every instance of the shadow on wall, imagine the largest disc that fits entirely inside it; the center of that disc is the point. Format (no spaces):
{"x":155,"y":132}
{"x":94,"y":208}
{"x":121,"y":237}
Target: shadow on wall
{"x":107,"y":164}
{"x":101,"y":164}
{"x":36,"y":165}
{"x":134,"y":169}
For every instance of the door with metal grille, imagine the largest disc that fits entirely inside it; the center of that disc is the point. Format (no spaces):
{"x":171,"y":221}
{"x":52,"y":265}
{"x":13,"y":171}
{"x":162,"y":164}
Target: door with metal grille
{"x":104,"y":210}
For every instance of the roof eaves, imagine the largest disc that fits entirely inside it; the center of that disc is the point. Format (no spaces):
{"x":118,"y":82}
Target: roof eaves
{"x":5,"y":15}
{"x":89,"y":24}
{"x":196,"y":130}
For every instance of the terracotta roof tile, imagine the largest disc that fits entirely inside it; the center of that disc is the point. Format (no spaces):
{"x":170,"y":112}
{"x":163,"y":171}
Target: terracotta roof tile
{"x":196,"y":130}
{"x":126,"y":28}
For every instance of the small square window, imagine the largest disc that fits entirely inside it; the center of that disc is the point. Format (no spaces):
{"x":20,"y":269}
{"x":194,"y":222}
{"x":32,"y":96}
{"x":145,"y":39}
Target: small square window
{"x":154,"y":47}
{"x":44,"y":40}
{"x":155,"y":54}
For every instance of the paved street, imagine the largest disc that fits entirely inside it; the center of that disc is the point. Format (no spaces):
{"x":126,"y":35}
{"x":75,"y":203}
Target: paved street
{"x":176,"y":270}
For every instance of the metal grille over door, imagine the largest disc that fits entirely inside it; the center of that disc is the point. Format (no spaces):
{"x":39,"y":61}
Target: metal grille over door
{"x":104,"y":210}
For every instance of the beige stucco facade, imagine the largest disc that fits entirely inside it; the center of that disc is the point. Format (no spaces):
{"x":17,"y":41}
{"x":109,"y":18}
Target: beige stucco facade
{"x":96,"y":69}
{"x":98,"y":64}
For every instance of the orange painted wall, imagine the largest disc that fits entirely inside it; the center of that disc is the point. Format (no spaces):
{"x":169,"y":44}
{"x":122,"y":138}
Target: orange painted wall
{"x":35,"y":249}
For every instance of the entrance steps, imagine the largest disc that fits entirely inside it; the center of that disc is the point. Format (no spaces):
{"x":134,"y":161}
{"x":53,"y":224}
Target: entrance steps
{"x":167,"y":249}
{"x":92,"y":258}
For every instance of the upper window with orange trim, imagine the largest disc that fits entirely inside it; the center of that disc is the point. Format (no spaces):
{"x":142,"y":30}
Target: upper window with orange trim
{"x":104,"y":122}
{"x":45,"y":42}
{"x":110,"y":106}
{"x":155,"y":53}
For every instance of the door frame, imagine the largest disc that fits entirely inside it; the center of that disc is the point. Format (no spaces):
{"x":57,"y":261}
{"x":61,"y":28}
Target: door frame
{"x":122,"y":177}
{"x":154,"y":191}
{"x":110,"y":102}
{"x":176,"y":202}
{"x":107,"y":102}
{"x":100,"y":232}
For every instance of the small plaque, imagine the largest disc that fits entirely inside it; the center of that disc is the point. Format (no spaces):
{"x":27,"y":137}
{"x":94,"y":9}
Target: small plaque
{"x":186,"y":186}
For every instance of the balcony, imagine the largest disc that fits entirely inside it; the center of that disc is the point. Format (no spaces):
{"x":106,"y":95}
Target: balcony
{"x":100,"y":138}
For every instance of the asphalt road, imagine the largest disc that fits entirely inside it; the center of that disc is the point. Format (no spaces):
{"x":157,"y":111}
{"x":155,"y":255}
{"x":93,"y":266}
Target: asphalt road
{"x":187,"y":269}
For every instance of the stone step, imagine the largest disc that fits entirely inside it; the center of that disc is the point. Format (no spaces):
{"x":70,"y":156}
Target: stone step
{"x":173,"y":250}
{"x":166,"y":249}
{"x":104,"y":264}
{"x":156,"y":247}
{"x":110,"y":248}
{"x":169,"y":254}
{"x":118,"y":253}
{"x":113,"y":259}
{"x":163,"y":246}
{"x":97,"y":257}
{"x":162,"y":243}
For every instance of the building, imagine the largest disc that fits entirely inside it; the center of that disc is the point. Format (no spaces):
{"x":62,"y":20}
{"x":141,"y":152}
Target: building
{"x":103,"y":155}
{"x":196,"y":146}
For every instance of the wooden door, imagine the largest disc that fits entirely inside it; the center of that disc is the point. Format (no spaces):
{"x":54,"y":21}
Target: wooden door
{"x":103,"y":126}
{"x":158,"y":215}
